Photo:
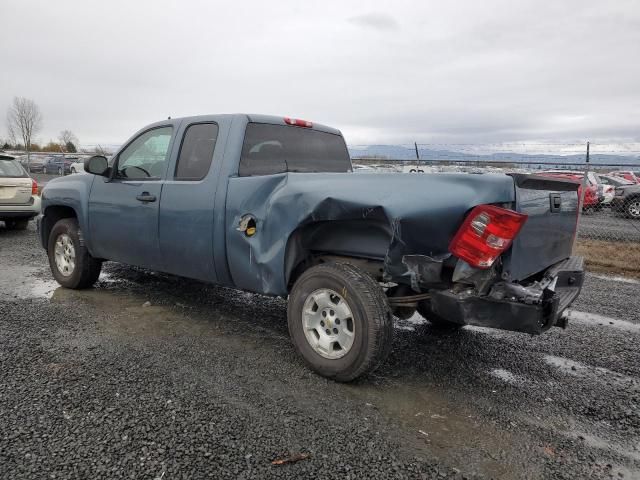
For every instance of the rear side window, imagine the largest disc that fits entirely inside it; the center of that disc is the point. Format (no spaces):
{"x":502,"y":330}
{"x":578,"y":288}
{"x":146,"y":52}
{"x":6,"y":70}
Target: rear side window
{"x":270,"y":149}
{"x":196,"y":151}
{"x":11,"y":168}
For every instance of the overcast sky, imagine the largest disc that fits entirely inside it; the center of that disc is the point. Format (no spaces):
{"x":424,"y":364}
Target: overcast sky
{"x":383,"y":72}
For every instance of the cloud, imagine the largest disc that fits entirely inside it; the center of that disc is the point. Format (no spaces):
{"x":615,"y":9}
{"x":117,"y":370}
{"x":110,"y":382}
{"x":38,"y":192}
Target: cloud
{"x":454,"y":72}
{"x":377,"y":21}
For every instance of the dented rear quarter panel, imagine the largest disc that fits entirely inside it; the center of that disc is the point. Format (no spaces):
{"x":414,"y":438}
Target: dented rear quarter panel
{"x":419,"y":214}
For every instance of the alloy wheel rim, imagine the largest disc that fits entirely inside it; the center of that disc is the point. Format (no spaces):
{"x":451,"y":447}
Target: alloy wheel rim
{"x":634,"y":209}
{"x":328,"y":324}
{"x":65,"y":255}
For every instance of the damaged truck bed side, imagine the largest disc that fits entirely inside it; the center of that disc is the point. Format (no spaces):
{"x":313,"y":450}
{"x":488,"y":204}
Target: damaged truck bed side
{"x":270,"y":205}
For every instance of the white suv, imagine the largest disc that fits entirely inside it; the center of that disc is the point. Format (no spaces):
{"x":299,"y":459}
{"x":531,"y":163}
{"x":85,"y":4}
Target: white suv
{"x":19,"y":199}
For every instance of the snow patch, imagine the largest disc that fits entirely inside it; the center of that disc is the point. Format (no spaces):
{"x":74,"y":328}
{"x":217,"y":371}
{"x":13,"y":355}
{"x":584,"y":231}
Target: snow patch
{"x":616,"y":278}
{"x":577,"y":369}
{"x":506,"y":376}
{"x":587,"y":318}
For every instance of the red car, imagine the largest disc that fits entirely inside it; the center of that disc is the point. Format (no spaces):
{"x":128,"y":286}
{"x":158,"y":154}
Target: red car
{"x":627,"y":175}
{"x":591,"y":200}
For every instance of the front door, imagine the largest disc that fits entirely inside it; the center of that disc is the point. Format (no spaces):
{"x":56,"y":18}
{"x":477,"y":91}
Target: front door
{"x":123,"y":210}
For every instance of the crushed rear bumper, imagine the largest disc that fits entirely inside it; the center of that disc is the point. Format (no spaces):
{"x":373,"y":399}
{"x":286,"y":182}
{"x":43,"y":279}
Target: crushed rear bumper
{"x":516,"y":310}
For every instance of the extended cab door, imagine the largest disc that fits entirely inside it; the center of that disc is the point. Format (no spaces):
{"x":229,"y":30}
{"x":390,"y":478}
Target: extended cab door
{"x":187,"y":205}
{"x":123,"y":209}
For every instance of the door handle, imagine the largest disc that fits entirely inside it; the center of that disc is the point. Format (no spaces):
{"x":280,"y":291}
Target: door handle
{"x":146,"y":197}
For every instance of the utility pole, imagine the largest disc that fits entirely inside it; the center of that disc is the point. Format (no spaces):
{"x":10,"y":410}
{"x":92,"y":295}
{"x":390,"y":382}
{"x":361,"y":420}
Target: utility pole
{"x":415,"y":144}
{"x":582,"y":194}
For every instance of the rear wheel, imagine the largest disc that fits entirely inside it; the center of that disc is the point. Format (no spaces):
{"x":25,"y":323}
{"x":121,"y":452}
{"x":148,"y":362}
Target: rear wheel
{"x":17,"y":224}
{"x":70,"y":261}
{"x":339,"y":321}
{"x":59,"y":170}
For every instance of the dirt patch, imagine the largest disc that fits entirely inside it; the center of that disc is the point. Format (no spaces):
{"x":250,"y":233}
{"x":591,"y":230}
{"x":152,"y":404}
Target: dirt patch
{"x":611,"y":257}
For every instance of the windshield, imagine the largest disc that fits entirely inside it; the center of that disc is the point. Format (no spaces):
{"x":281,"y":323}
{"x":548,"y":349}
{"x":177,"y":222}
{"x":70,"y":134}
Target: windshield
{"x":11,"y":168}
{"x":617,"y":181}
{"x":270,"y":149}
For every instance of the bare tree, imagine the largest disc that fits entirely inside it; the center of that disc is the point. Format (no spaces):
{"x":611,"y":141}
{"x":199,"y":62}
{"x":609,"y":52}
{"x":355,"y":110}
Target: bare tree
{"x":68,"y":140}
{"x":98,"y":150}
{"x":25,"y":120}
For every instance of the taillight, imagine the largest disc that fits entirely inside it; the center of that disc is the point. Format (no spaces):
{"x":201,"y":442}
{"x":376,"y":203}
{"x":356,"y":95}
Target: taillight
{"x":485,"y":234}
{"x":34,"y":187}
{"x":297,"y":122}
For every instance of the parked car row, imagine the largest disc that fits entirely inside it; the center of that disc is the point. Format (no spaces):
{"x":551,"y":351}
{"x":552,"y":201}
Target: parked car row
{"x":53,"y":164}
{"x":19,"y":198}
{"x":627,"y":200}
{"x":629,"y":175}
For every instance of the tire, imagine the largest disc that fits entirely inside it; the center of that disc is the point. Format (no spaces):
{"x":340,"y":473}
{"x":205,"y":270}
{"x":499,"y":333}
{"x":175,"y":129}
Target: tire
{"x":424,"y":309}
{"x":60,"y":171}
{"x":17,"y":224}
{"x":73,"y":170}
{"x":44,"y":170}
{"x":86,"y":269}
{"x":370,"y":321}
{"x":632,"y":208}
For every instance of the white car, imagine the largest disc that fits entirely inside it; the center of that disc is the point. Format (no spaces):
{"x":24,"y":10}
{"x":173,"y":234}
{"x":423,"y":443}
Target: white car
{"x":19,"y":199}
{"x":77,"y":167}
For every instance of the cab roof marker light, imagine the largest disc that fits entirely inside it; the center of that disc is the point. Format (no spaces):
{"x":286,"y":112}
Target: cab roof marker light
{"x":297,"y":122}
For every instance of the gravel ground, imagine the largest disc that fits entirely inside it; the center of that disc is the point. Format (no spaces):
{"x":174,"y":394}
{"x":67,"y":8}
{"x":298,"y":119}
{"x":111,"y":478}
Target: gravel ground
{"x":153,"y":376}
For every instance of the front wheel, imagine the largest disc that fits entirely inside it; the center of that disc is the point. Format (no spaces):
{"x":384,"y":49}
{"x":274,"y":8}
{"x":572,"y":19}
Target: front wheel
{"x":70,"y":261}
{"x":339,"y":321}
{"x":632,"y":208}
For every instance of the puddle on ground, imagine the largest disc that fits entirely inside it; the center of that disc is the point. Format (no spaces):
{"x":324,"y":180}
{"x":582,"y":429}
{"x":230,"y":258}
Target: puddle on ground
{"x":587,"y":318}
{"x":19,"y":283}
{"x":132,"y":315}
{"x":447,"y":430}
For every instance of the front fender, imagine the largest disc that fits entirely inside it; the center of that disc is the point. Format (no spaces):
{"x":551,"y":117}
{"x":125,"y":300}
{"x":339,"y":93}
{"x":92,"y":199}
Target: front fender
{"x":70,"y":192}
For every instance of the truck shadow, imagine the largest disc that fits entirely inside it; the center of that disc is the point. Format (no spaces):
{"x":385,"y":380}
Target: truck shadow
{"x":423,"y":352}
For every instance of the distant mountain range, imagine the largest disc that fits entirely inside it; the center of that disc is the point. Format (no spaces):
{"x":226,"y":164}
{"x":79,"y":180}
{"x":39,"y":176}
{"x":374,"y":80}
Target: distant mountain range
{"x":399,"y":152}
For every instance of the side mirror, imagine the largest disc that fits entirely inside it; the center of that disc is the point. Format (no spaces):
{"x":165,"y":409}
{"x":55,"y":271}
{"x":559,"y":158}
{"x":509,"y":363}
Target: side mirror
{"x":98,"y":165}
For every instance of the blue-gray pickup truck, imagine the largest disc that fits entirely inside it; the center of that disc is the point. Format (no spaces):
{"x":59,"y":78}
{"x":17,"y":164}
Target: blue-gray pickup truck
{"x":271,"y":205}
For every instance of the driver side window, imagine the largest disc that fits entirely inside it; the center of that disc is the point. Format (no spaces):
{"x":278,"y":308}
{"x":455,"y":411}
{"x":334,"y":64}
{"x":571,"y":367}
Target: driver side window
{"x":146,"y":157}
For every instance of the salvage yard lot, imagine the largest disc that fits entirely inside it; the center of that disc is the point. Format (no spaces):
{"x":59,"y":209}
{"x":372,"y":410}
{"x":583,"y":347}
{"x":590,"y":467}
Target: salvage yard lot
{"x":153,"y":376}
